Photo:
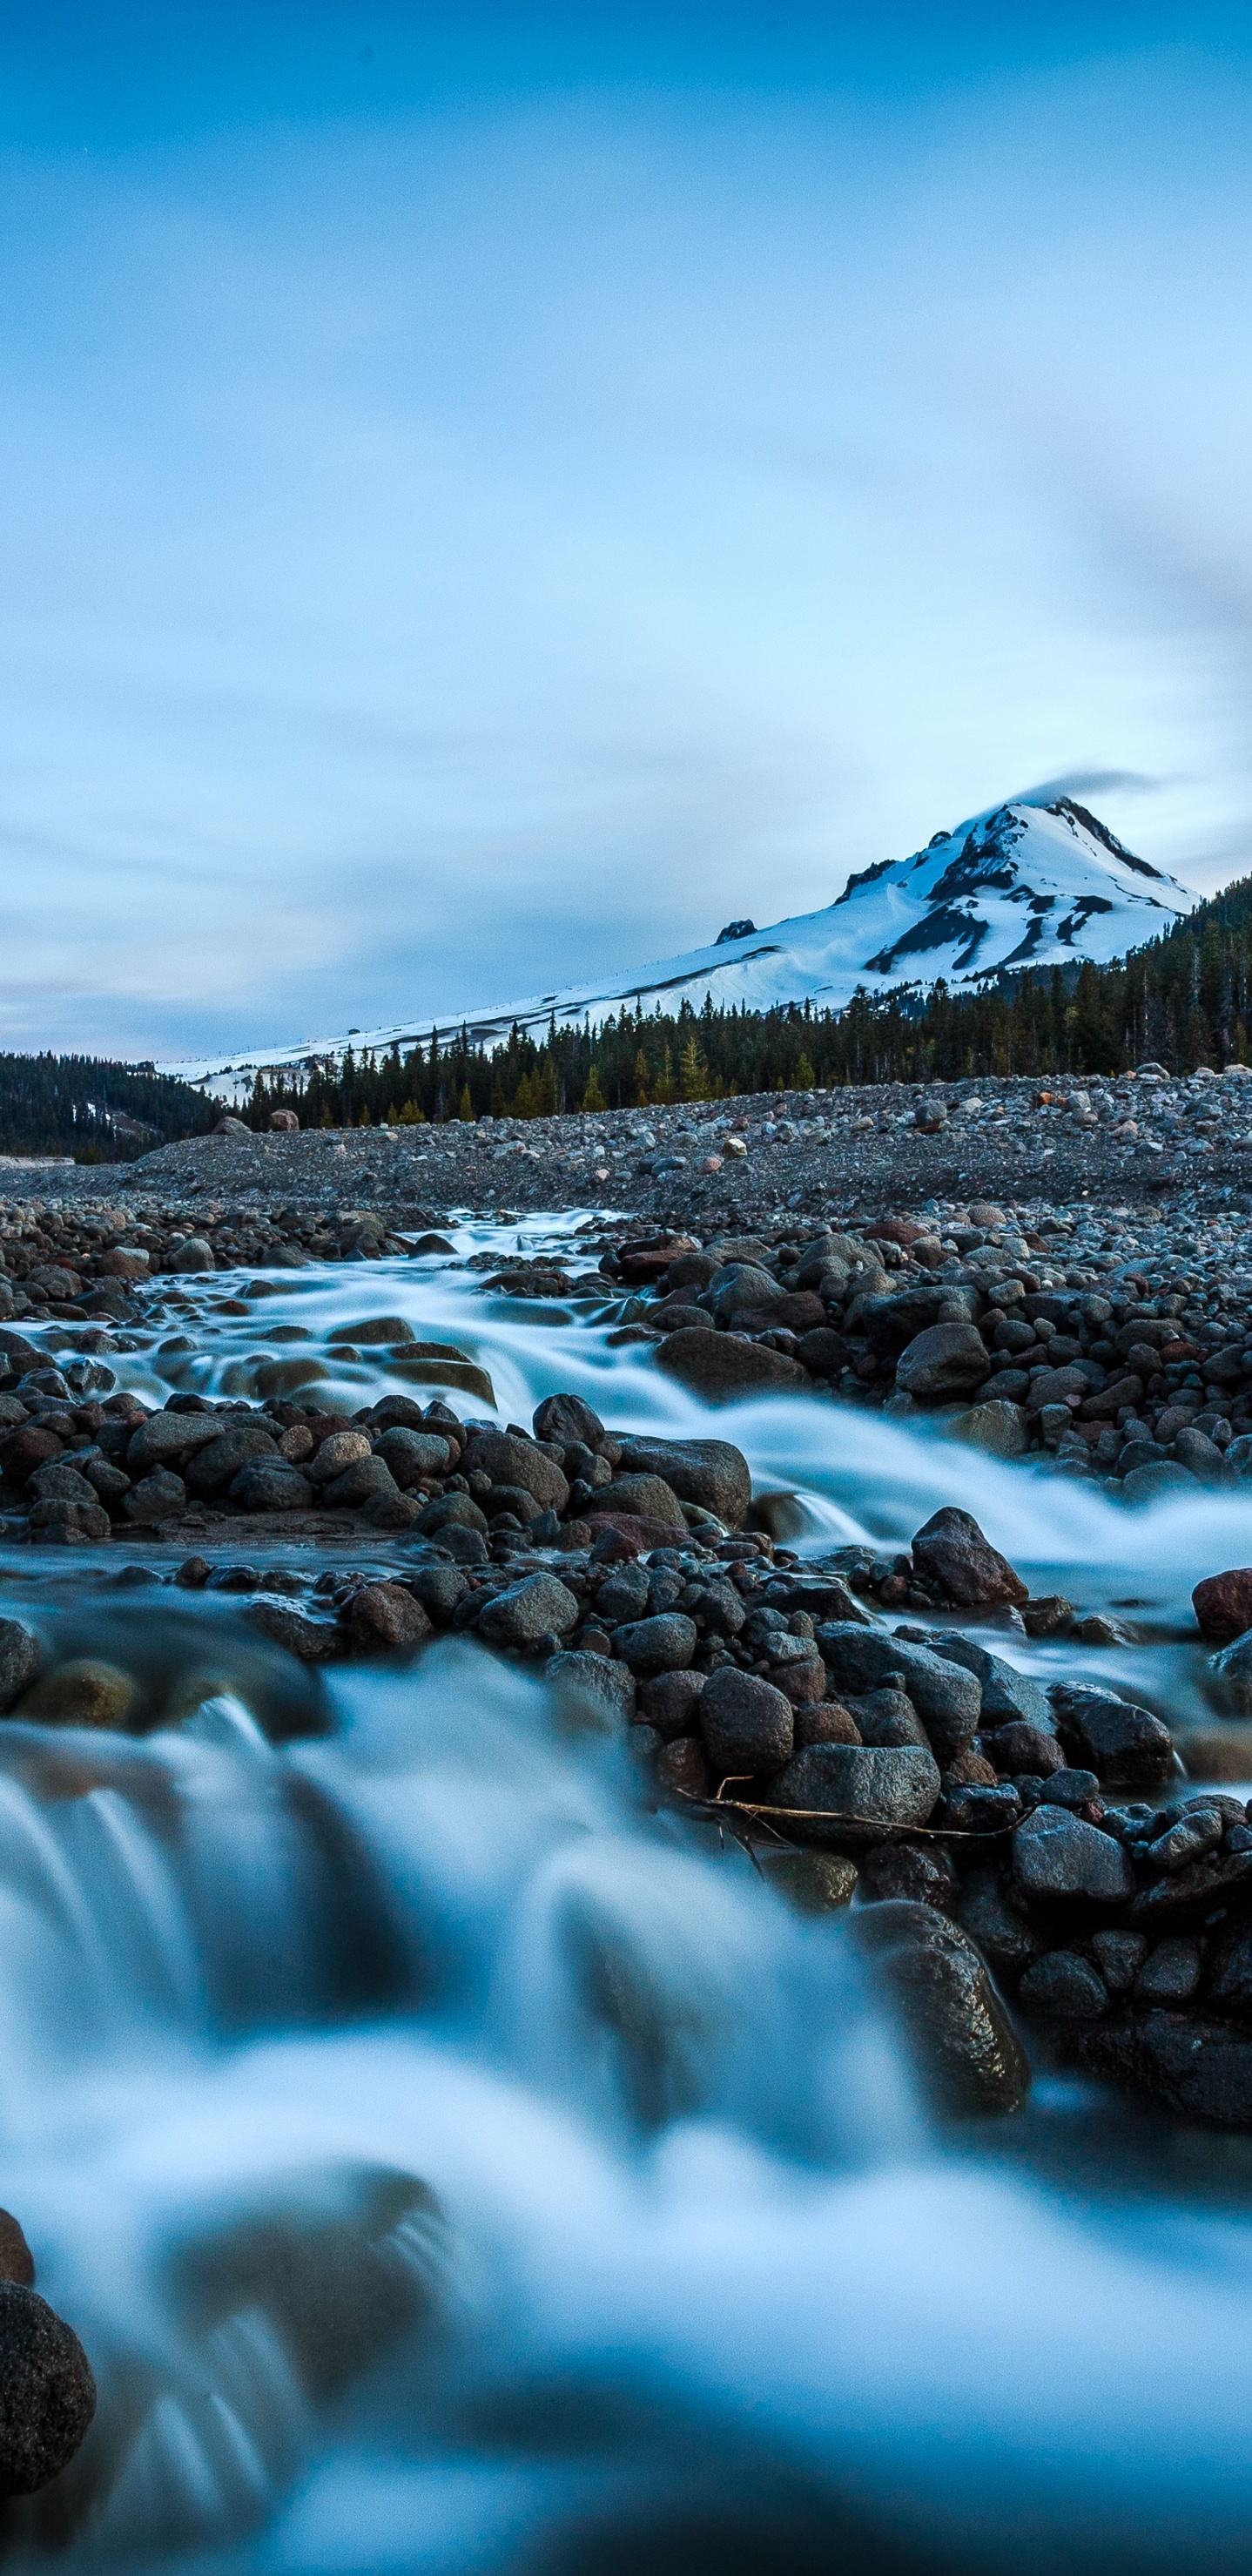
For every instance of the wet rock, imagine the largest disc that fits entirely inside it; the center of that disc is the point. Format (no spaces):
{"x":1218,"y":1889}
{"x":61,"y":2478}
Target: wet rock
{"x":991,"y":1919}
{"x":83,"y":1692}
{"x":538,"y":1607}
{"x":363,"y":1482}
{"x":663,"y":1644}
{"x":644,"y":1498}
{"x":1126,"y":1746}
{"x":945,"y":1360}
{"x":335,"y":1454}
{"x":311,"y":1641}
{"x":566,"y":1419}
{"x":1119,"y":1957}
{"x":385,"y":1619}
{"x":952,"y":1552}
{"x":1182,"y":1898}
{"x":20,"y":1660}
{"x":1232,"y":1672}
{"x":962,"y":2041}
{"x":1058,"y":1857}
{"x":747,"y":1725}
{"x":920,"y":1873}
{"x":1065,"y":1987}
{"x":670,"y":1702}
{"x":1155,"y":1483}
{"x":1006,"y":1693}
{"x":858,"y":1786}
{"x":451,"y":1512}
{"x":1193,"y":2065}
{"x":509,"y":1460}
{"x":1223,"y":1605}
{"x":948,"y":1699}
{"x":712,"y":1473}
{"x":1170,"y":1976}
{"x":683,"y":1766}
{"x":158,"y":1496}
{"x":814,"y":1882}
{"x":607,"y":1684}
{"x":17,"y":2263}
{"x":214,"y":1467}
{"x":47,"y":2392}
{"x":410,"y":1455}
{"x":168,"y":1435}
{"x":719,"y":1367}
{"x":269,"y":1485}
{"x":1002,"y":1429}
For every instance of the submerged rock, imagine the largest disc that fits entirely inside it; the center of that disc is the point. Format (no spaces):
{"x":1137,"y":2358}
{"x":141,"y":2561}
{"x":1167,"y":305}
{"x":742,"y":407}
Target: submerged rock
{"x":959,"y":2034}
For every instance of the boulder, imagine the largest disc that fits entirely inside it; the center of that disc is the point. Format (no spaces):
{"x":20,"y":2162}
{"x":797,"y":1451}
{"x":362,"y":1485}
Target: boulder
{"x":663,"y":1644}
{"x":511,"y":1461}
{"x":284,"y":1122}
{"x":567,"y":1420}
{"x":951,"y":1551}
{"x":607,"y":1684}
{"x":194,"y":1254}
{"x":1002,"y":1429}
{"x":720,"y":1368}
{"x":267,"y":1485}
{"x":363,"y":1482}
{"x":747,"y":1725}
{"x":1006,"y":1693}
{"x":740,"y":1288}
{"x":1125,"y":1746}
{"x":958,"y":2033}
{"x":712,"y":1473}
{"x":385,"y":1619}
{"x":1223,"y":1605}
{"x":646,"y":1498}
{"x":158,"y":1496}
{"x":334,"y":1456}
{"x":948,"y":1699}
{"x":412,"y":1454}
{"x":214,"y":1467}
{"x":1059,"y":1857}
{"x":538,"y":1607}
{"x":167,"y":1435}
{"x":1195,"y":2066}
{"x":20,"y":1659}
{"x":47,"y":2392}
{"x":945,"y":1360}
{"x":859,"y":1787}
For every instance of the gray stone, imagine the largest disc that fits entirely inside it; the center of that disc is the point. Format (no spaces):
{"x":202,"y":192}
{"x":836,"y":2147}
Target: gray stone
{"x":451,"y":1512}
{"x":166,"y":1435}
{"x":951,"y":1551}
{"x":214,"y":1467}
{"x":719,"y":1367}
{"x":194,"y":1254}
{"x":886,"y":1717}
{"x":739,"y":1289}
{"x":608,"y":1684}
{"x":341,"y":1450}
{"x":47,"y":2392}
{"x":1171,"y":1975}
{"x":747,"y":1725}
{"x":20,"y":1660}
{"x":1065,"y":1986}
{"x":1000,"y":1428}
{"x":158,"y":1496}
{"x":412,"y":1454}
{"x":943,"y":1361}
{"x":1006,"y":1693}
{"x":962,"y":2042}
{"x":712,"y":1473}
{"x":568,"y":1420}
{"x":664,"y":1644}
{"x":1058,"y":1856}
{"x":1119,"y":1956}
{"x":857,"y":1786}
{"x":1125,"y":1746}
{"x":669,"y":1702}
{"x":56,"y":1483}
{"x":268,"y":1485}
{"x":510,"y":1461}
{"x":948,"y":1699}
{"x":439,"y":1588}
{"x":623,"y":1594}
{"x":386,"y":1619}
{"x":540,"y":1606}
{"x":646,"y":1498}
{"x":1001,"y":1933}
{"x":362,"y":1482}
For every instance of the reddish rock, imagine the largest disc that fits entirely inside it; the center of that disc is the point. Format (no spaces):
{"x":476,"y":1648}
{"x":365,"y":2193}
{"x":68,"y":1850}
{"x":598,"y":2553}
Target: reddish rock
{"x":1223,"y":1605}
{"x":283,"y":1122}
{"x":952,"y":1552}
{"x":894,"y":1229}
{"x":641,"y":1535}
{"x":27,"y":1448}
{"x":386,"y":1619}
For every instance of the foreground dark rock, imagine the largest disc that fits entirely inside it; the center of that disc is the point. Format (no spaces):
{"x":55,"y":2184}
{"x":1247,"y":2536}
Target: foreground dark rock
{"x":47,"y":2392}
{"x":959,"y":2033}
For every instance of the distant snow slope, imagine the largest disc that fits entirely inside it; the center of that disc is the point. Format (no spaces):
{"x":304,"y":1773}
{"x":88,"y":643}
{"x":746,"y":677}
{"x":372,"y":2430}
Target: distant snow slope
{"x":1021,"y":885}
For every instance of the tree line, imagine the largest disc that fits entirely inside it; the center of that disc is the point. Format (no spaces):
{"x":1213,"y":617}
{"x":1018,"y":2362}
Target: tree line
{"x":94,"y":1111}
{"x":1182,"y":1000}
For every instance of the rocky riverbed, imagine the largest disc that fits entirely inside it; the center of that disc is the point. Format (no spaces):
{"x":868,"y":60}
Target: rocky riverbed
{"x":633,"y":1639}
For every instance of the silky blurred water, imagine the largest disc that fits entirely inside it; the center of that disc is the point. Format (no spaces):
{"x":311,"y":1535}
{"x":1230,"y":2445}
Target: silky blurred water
{"x":452,"y":2163}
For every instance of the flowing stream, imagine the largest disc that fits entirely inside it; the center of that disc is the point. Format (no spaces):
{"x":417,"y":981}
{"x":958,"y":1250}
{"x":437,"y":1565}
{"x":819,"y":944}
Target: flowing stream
{"x":450,"y":2163}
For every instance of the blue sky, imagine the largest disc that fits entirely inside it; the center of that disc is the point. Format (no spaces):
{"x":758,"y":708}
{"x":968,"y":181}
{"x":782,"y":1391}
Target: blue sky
{"x":487,"y":496}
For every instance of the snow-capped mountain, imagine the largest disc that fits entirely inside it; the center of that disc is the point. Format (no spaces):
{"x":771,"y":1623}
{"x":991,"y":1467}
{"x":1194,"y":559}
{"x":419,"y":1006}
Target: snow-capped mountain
{"x":1021,"y":885}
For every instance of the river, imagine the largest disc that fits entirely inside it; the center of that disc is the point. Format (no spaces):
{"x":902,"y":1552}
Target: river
{"x":452,"y":2164}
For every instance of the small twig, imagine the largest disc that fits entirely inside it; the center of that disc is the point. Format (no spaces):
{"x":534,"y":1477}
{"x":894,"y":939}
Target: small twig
{"x":769,"y":1816}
